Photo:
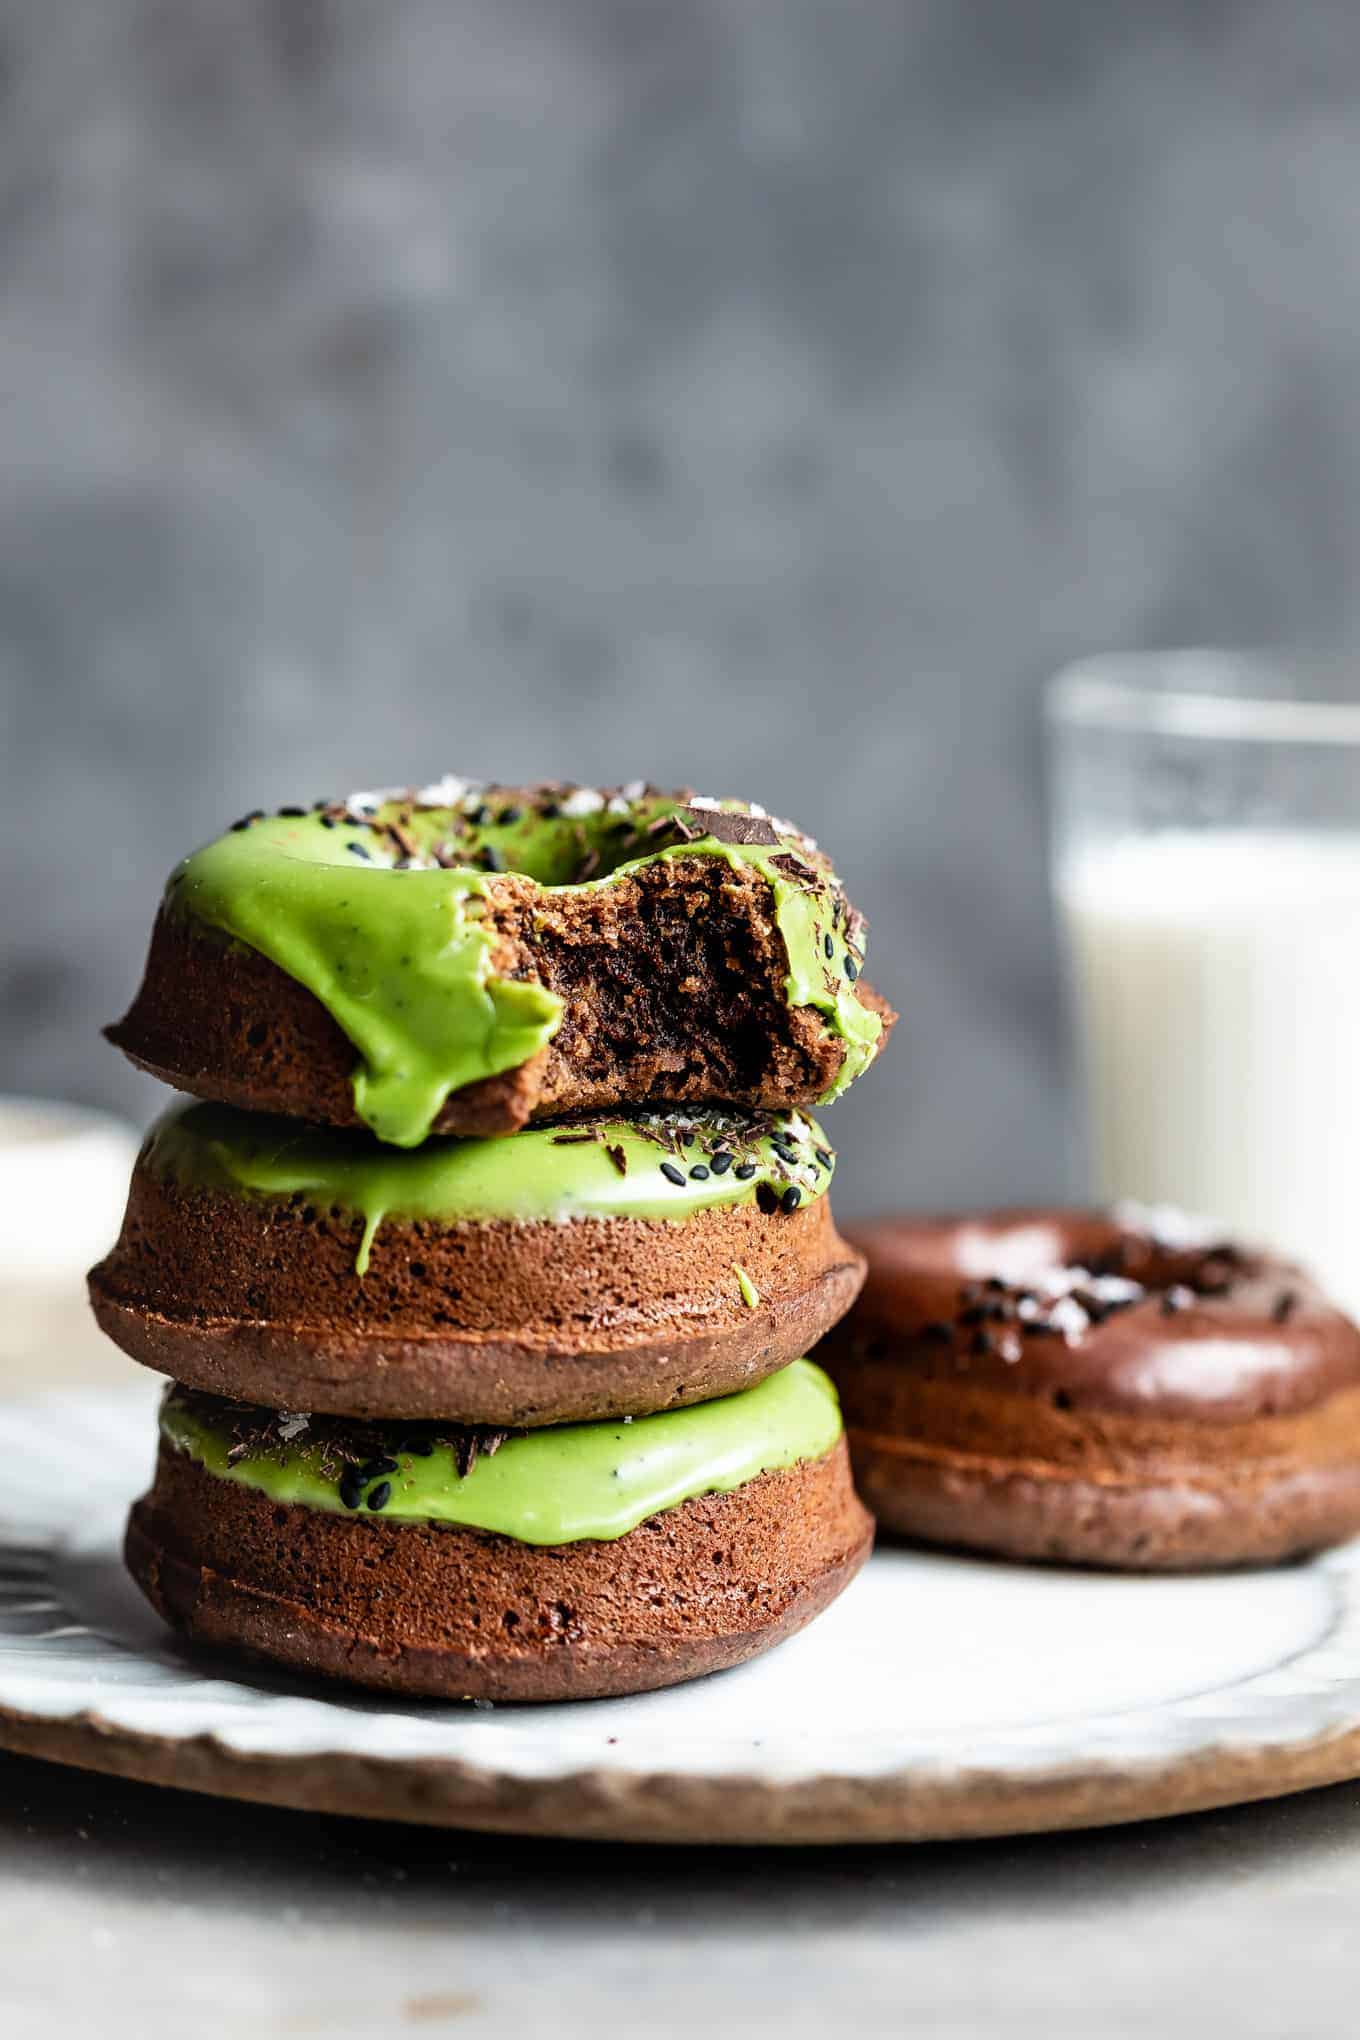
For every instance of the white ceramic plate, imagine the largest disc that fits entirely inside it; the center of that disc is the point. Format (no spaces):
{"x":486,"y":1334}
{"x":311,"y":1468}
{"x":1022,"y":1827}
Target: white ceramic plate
{"x":940,"y":1696}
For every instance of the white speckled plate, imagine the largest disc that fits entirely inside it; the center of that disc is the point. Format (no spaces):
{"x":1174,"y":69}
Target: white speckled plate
{"x":938,"y":1697}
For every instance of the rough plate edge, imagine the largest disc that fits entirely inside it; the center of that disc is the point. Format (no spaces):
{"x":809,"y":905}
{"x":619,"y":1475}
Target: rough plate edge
{"x":655,"y":1808}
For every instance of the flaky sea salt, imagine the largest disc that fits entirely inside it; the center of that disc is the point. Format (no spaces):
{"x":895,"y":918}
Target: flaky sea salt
{"x":586,"y":800}
{"x":1168,"y":1226}
{"x":367,"y":803}
{"x":1068,"y":1317}
{"x":450,"y":791}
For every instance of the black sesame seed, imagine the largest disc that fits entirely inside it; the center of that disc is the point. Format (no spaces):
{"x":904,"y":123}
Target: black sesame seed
{"x":351,"y":1489}
{"x":823,"y":1156}
{"x":687,"y":1139}
{"x":745,"y":1172}
{"x":672,"y":1174}
{"x":851,"y":971}
{"x":292,"y":811}
{"x":328,"y":821}
{"x":829,"y":946}
{"x":767,"y":1197}
{"x":416,"y":1448}
{"x":374,"y":1469}
{"x":721,"y":1162}
{"x":381,"y":1495}
{"x":791,"y":1199}
{"x":509,"y":816}
{"x":698,"y":1174}
{"x":358,"y":850}
{"x":492,"y":859}
{"x":550,"y":811}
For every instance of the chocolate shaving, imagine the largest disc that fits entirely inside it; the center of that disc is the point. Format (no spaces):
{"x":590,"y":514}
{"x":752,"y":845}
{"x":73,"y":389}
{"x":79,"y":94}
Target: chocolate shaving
{"x":404,"y":840}
{"x":794,"y":868}
{"x":619,"y":1158}
{"x":468,"y":1446}
{"x":724,"y":826}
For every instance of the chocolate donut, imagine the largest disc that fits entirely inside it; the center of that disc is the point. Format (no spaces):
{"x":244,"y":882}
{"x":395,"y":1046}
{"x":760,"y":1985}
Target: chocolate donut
{"x":605,"y":1267}
{"x":1126,"y":1389}
{"x":467,"y":958}
{"x":560,"y":1564}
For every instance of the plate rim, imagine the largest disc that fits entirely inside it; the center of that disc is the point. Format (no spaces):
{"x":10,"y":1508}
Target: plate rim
{"x":741,"y":1810}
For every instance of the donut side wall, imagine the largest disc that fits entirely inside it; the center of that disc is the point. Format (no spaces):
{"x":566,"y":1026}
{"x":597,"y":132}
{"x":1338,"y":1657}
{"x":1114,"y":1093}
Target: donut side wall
{"x":456,"y":1613}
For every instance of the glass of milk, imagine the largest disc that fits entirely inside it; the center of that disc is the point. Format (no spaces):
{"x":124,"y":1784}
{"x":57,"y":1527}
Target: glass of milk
{"x":1206,"y":852}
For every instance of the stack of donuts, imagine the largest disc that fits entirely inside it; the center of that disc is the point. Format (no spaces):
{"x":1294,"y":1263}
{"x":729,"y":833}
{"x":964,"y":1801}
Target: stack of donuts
{"x":484,"y":1266}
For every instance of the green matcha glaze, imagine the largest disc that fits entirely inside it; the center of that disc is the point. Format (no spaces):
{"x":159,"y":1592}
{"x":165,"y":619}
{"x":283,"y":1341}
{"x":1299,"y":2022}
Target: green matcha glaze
{"x":399,"y":959}
{"x":377,"y":909}
{"x":551,"y":1172}
{"x":555,"y":1486}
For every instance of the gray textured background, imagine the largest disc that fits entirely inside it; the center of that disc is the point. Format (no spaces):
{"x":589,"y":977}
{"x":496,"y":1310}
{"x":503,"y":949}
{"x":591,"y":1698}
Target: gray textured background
{"x":761,"y":395}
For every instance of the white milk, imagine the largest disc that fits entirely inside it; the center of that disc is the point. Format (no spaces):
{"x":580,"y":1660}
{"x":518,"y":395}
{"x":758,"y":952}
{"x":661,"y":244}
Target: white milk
{"x":1218,"y":983}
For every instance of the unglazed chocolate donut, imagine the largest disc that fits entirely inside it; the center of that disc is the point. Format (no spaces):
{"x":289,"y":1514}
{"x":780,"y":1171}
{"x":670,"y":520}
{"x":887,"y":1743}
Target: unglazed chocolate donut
{"x":561,"y":1564}
{"x":467,"y":958}
{"x":1127,"y":1390}
{"x":605,"y":1267}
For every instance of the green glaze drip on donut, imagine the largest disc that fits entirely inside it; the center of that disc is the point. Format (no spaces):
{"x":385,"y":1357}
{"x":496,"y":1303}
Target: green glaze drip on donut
{"x":555,"y":1486}
{"x":601,"y":1168}
{"x":400,"y":960}
{"x":388,"y":931}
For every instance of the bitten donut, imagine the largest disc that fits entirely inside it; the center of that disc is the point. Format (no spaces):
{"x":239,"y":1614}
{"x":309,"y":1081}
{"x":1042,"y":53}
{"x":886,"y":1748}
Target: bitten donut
{"x":467,"y":958}
{"x":599,"y":1267}
{"x":1130,"y":1390}
{"x":560,"y":1564}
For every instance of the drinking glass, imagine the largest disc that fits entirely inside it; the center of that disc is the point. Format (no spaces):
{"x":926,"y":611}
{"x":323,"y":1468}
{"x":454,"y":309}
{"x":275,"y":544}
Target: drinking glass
{"x":1206,"y":862}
